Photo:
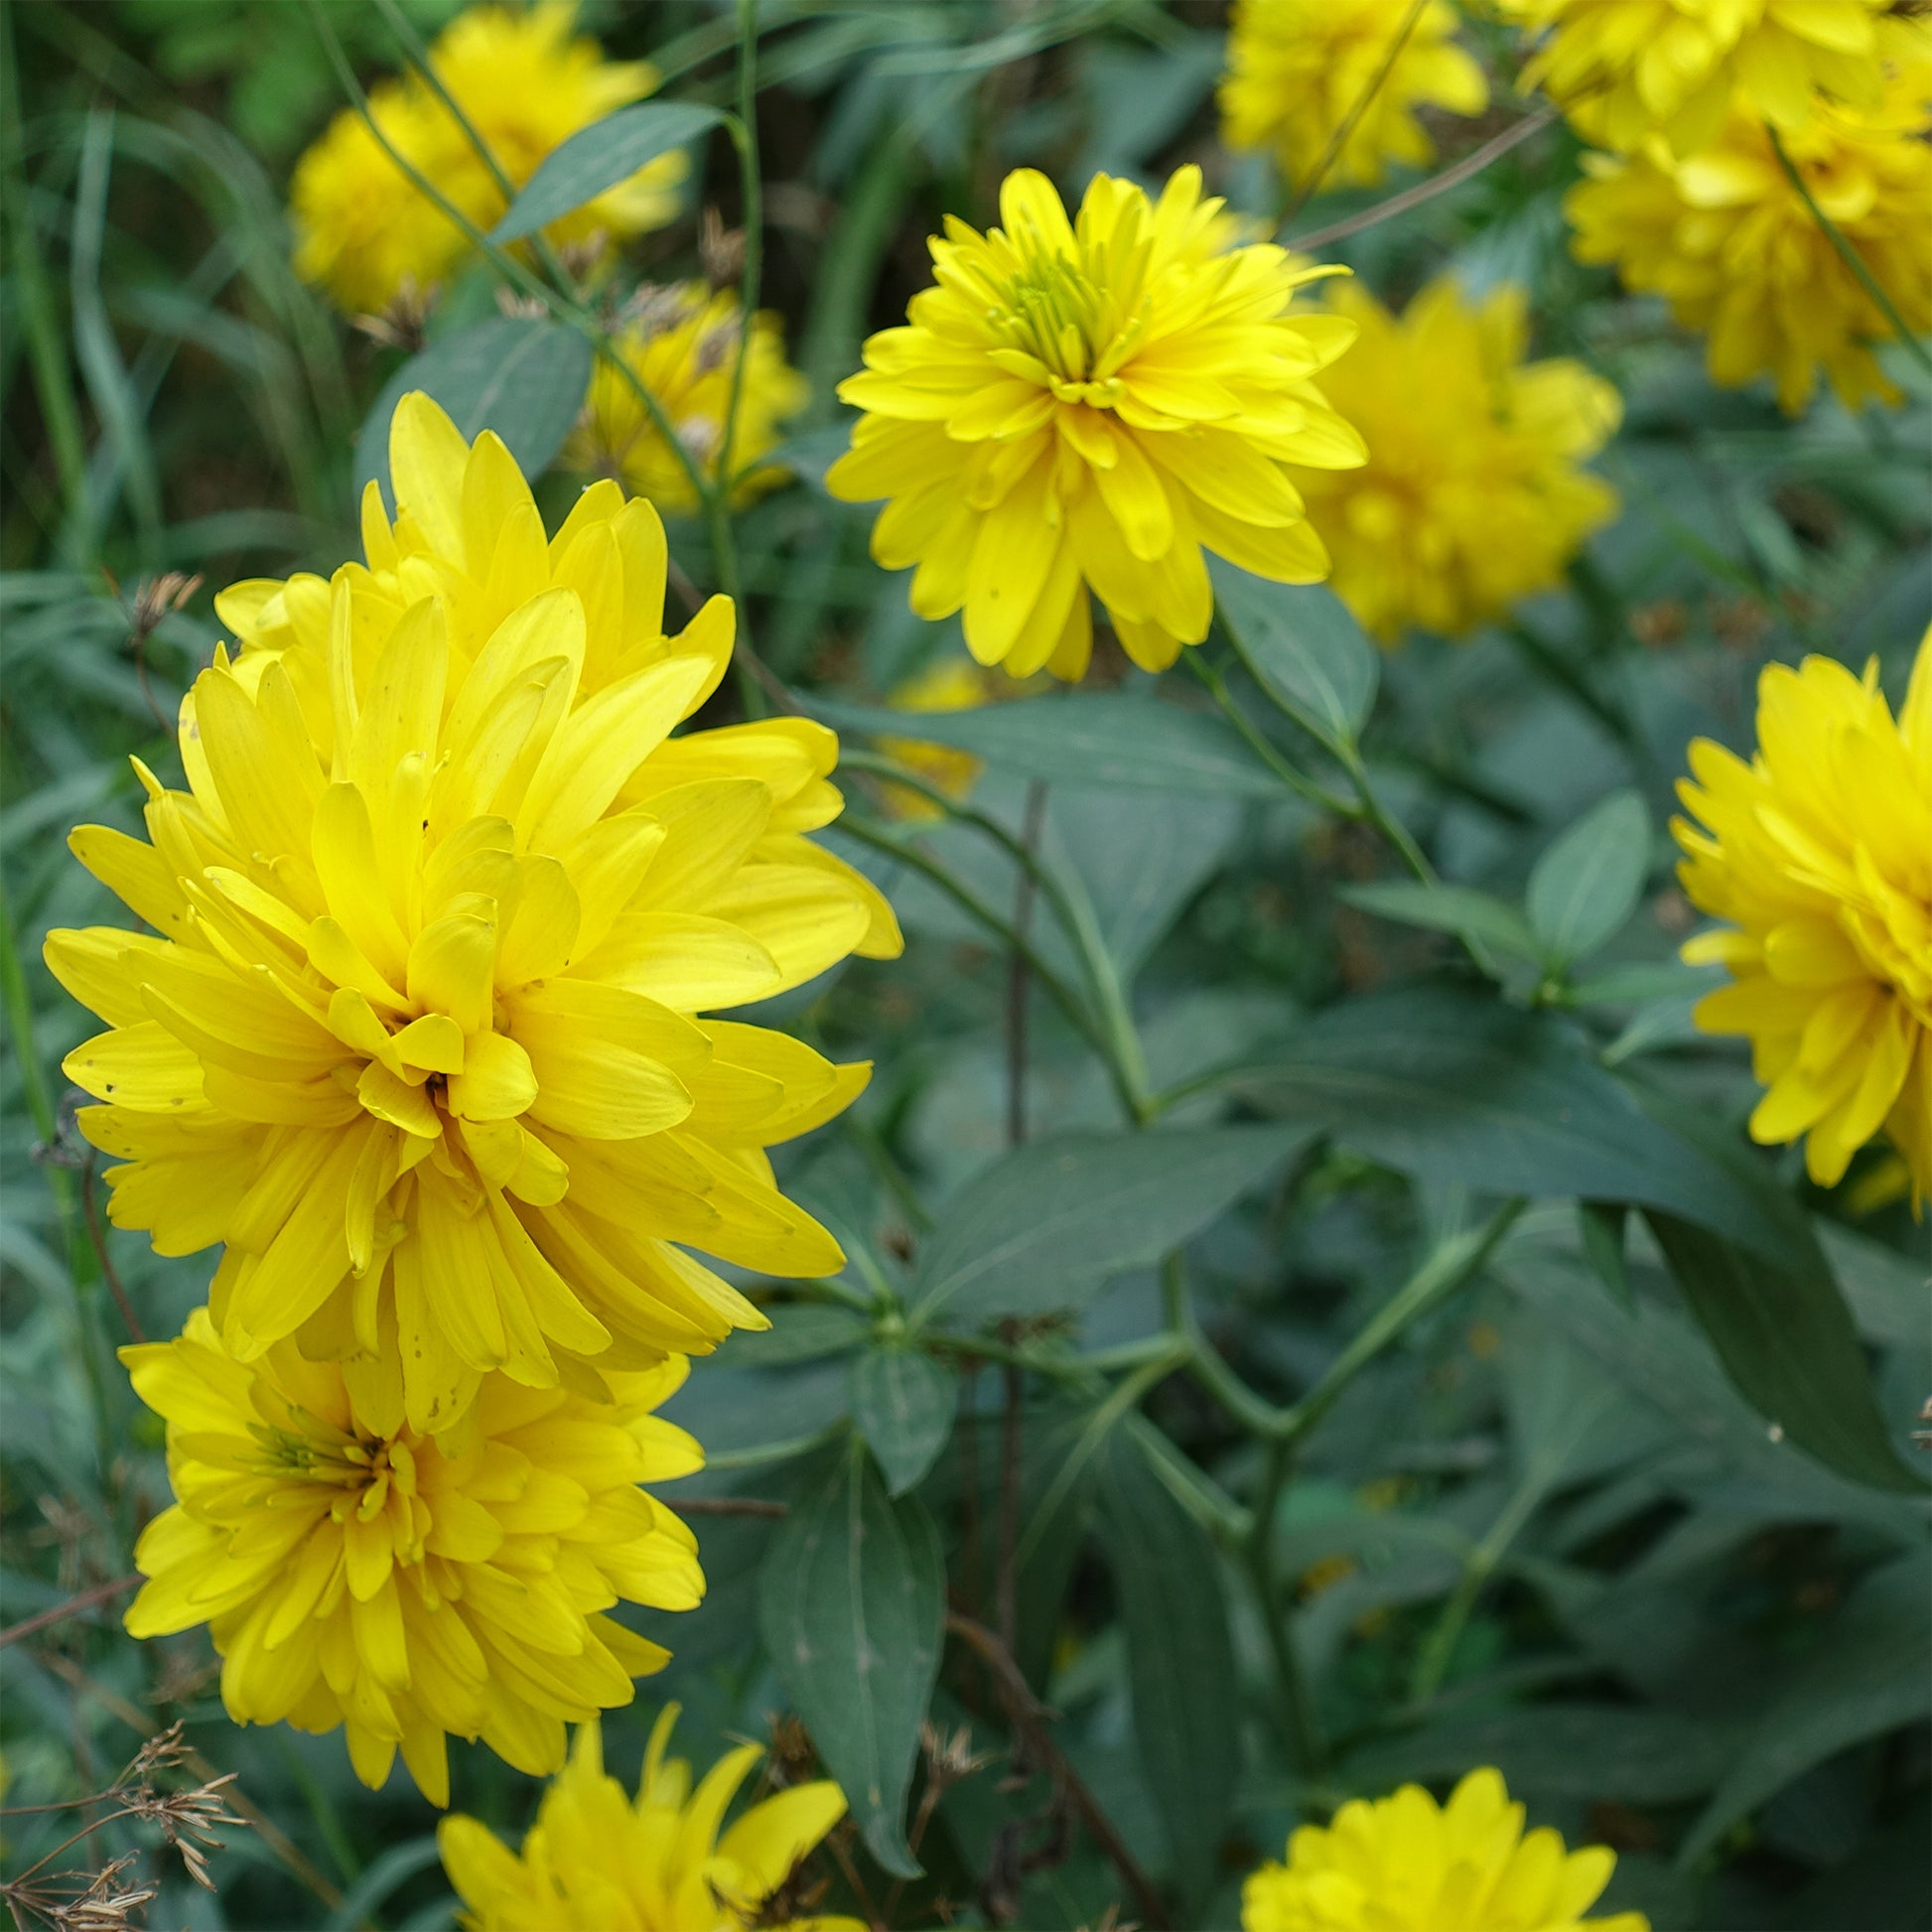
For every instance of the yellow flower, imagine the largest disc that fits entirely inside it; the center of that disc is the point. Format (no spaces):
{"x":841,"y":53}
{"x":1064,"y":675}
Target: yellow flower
{"x":1818,"y":857}
{"x":1473,"y":496}
{"x":1630,"y":69}
{"x":598,"y":1862}
{"x":946,"y":684}
{"x":364,"y":232}
{"x":1299,"y":68}
{"x":355,"y":1570}
{"x":682,"y":345}
{"x":1409,"y":1864}
{"x":1726,"y":240}
{"x":416,"y":1038}
{"x":1089,"y":405}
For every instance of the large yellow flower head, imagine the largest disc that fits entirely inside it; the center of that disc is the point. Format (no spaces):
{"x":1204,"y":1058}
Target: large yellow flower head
{"x":1727,"y":241}
{"x":1405,"y":1863}
{"x":1089,"y":405}
{"x":1474,"y":494}
{"x":1628,"y":69}
{"x":417,"y":1035}
{"x":364,"y":231}
{"x":597,"y":1861}
{"x":681,"y":342}
{"x":1818,"y":857}
{"x":355,"y":1570}
{"x":1298,"y":69}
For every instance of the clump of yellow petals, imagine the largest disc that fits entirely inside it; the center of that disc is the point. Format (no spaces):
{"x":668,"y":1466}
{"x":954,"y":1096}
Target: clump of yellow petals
{"x":1299,"y":70}
{"x":1728,"y":242}
{"x":597,"y":1861}
{"x":1474,"y":494}
{"x":416,"y":1035}
{"x":1089,"y":405}
{"x":1628,"y":70}
{"x":1818,"y":857}
{"x":355,"y":1570}
{"x":364,"y":231}
{"x":682,"y":343}
{"x":1407,"y":1864}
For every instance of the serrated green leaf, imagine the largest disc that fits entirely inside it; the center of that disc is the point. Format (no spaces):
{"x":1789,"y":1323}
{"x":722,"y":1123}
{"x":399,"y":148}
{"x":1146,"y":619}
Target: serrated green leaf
{"x":1586,"y":884}
{"x":601,"y":156}
{"x":1447,"y":908}
{"x":1303,"y":642}
{"x":851,"y":1602}
{"x":904,"y":1403}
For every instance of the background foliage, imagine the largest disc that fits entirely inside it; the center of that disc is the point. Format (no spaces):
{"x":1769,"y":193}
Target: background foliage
{"x":1447,"y":1383}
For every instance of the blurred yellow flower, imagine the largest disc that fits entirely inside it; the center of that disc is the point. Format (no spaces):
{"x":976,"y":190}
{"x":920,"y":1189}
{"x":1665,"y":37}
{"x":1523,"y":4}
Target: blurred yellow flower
{"x":364,"y":232}
{"x":946,"y":684}
{"x":681,"y":342}
{"x":1298,"y":69}
{"x":1474,"y":494}
{"x":1728,"y":242}
{"x":416,"y":1038}
{"x":355,"y":1570}
{"x":597,"y":1861}
{"x":1818,"y":857}
{"x":1089,"y":405}
{"x":1405,"y":1863}
{"x":1628,"y":69}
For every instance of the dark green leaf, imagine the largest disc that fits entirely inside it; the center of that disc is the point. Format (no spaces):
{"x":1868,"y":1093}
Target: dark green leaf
{"x":1633,"y":985}
{"x":1054,"y":1221}
{"x":1785,"y":1336}
{"x":851,"y":1602}
{"x":1600,"y":1224}
{"x":1452,"y":1086}
{"x":904,"y":1403}
{"x":1447,"y":908}
{"x":1180,"y":1658}
{"x":1586,"y":884}
{"x":1303,"y":642}
{"x":523,"y":377}
{"x":1102,"y":739}
{"x":599,"y":157}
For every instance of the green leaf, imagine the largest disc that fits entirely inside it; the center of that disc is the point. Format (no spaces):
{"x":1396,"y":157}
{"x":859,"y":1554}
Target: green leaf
{"x":1601,"y":1225}
{"x":1098,"y":738}
{"x":1454,"y":1087}
{"x":1586,"y":884}
{"x":1180,"y":1658}
{"x":522,"y":376}
{"x":1865,"y":1676}
{"x":1785,"y":1337}
{"x":851,"y":1602}
{"x":1054,"y":1221}
{"x":1634,"y":985}
{"x":599,"y":157}
{"x":1301,"y":641}
{"x":1447,"y":908}
{"x":904,"y":1403}
{"x":800,"y":1331}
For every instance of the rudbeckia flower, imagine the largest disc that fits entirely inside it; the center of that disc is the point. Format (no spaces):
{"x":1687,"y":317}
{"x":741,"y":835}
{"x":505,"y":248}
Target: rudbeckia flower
{"x":1300,"y":70}
{"x":1089,"y":405}
{"x":1474,"y":494}
{"x":681,"y":344}
{"x":416,"y":1034}
{"x":1816,"y":856}
{"x":1628,"y":70}
{"x":597,"y":1861}
{"x":1405,"y":1863}
{"x":354,"y":1570}
{"x":363,"y":230}
{"x":1727,"y":241}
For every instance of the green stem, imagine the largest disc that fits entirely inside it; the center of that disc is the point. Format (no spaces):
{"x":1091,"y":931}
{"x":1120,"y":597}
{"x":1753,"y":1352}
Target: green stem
{"x":1297,"y":782}
{"x":1850,"y":256}
{"x":1300,"y":1725}
{"x":1438,"y":1647}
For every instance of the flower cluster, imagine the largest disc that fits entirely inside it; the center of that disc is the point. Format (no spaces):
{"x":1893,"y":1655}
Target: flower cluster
{"x":1473,"y":496}
{"x":1087,"y":406}
{"x":1816,"y":856}
{"x":365,"y":234}
{"x":1405,"y":1863}
{"x":1302,"y":71}
{"x":596,"y":1859}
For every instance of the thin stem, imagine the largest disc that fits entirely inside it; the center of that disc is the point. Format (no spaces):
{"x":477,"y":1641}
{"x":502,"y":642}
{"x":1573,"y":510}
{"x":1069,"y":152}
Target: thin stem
{"x":98,"y":1234}
{"x":1022,"y":912}
{"x":1300,"y":1725}
{"x":1438,"y":1647}
{"x":1338,"y":140}
{"x":1850,"y":256}
{"x":87,"y":1599}
{"x":1297,"y":782}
